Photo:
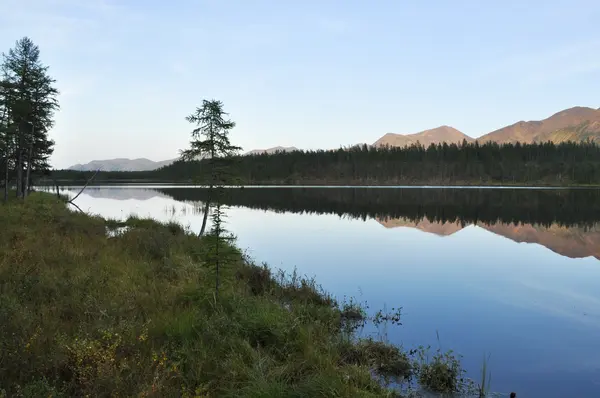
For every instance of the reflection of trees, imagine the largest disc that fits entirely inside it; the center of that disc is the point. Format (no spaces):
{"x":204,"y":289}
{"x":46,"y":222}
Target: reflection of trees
{"x":580,"y":207}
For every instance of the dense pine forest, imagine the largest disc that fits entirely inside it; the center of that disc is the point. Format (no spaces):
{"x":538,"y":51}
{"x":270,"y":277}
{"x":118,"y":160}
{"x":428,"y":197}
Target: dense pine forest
{"x":467,"y":163}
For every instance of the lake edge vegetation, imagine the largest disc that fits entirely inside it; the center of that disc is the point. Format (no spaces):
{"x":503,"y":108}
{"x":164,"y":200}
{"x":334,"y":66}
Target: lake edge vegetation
{"x":105,"y":307}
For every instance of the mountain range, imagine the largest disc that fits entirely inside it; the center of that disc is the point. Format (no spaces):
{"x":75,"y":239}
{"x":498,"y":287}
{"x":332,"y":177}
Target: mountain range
{"x":143,"y":164}
{"x":573,"y":124}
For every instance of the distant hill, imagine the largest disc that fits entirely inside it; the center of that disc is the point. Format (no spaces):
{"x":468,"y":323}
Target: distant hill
{"x":122,"y":164}
{"x":271,"y":150}
{"x":143,"y":164}
{"x":434,"y":136}
{"x":573,"y":124}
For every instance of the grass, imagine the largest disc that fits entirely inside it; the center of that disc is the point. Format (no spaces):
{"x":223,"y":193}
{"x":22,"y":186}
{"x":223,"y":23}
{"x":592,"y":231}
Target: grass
{"x":133,"y":313}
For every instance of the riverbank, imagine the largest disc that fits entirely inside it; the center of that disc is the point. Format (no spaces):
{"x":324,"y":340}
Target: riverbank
{"x":134,"y":313}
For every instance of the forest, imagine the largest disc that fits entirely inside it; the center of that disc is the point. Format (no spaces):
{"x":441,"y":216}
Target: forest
{"x":570,"y":163}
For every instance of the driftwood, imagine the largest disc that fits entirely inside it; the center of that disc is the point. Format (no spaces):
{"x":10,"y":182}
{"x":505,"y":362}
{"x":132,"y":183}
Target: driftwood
{"x":71,"y":201}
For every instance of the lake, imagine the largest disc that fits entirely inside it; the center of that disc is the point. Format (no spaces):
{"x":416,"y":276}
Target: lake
{"x":513,"y":273}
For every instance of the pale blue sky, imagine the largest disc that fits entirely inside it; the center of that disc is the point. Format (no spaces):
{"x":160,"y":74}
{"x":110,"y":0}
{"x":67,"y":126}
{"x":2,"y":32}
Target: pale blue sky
{"x":305,"y":73}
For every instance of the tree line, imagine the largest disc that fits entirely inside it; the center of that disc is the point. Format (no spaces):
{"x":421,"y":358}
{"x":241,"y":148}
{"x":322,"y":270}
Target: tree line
{"x":464,"y":163}
{"x":28,"y":100}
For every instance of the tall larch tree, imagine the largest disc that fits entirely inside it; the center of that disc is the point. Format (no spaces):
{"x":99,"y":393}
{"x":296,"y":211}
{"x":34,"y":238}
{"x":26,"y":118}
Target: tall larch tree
{"x":210,"y":141}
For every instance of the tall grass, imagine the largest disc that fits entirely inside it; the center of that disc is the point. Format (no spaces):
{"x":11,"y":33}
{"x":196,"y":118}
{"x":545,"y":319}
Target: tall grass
{"x":486,"y":378}
{"x":133,"y":313}
{"x":95,"y":307}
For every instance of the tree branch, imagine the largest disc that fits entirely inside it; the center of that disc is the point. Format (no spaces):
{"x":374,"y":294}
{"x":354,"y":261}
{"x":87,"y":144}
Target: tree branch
{"x":77,"y":207}
{"x":83,"y":189}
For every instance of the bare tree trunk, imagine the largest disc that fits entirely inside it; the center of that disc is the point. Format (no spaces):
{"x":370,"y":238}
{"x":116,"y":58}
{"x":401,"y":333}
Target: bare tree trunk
{"x":218,"y":265}
{"x":205,"y":217}
{"x":19,"y":173}
{"x":6,"y":181}
{"x":28,"y":175}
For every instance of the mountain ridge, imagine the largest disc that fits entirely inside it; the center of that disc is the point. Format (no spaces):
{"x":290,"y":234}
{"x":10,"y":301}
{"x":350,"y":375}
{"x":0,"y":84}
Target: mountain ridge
{"x":426,"y":137}
{"x":122,"y":164}
{"x":145,"y":164}
{"x":577,"y":123}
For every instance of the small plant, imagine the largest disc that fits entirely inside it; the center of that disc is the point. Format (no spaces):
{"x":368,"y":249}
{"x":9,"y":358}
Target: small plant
{"x":383,"y":316}
{"x":483,"y":389}
{"x":353,"y":316}
{"x":441,"y":373}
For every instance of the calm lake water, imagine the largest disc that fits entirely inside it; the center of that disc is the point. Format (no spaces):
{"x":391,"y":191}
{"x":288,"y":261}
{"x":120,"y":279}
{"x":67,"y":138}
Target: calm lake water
{"x":514,"y":273}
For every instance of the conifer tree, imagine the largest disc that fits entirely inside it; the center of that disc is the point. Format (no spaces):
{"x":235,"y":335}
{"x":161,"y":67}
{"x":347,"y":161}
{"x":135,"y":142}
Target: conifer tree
{"x":210,"y":141}
{"x":28,"y":100}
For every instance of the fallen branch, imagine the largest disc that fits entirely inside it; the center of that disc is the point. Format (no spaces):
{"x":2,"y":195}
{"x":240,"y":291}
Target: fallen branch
{"x":83,"y":189}
{"x":77,"y":207}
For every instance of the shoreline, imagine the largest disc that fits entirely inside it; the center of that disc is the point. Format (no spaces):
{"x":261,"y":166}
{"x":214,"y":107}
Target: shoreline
{"x":135,"y":312}
{"x":134,"y":183}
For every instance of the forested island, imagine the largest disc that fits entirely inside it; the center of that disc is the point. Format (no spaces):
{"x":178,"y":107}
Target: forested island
{"x":546,"y":163}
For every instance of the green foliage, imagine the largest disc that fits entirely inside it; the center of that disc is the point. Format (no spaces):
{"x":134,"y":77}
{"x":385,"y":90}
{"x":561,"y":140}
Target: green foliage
{"x":28,"y":100}
{"x":440,"y":373}
{"x":133,"y":314}
{"x":210,"y":140}
{"x":483,"y":388}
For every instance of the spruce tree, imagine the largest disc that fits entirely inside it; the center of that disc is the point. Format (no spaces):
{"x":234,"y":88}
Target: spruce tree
{"x":29,"y":100}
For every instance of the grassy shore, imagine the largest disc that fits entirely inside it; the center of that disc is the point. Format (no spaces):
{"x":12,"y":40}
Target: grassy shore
{"x":86,"y":313}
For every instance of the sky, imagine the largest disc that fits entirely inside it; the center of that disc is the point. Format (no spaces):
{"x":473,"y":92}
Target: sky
{"x":311,"y":73}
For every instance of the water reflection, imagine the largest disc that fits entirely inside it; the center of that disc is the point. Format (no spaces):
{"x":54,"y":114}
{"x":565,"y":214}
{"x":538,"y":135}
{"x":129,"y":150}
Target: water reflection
{"x":450,"y":258}
{"x":564,"y":221}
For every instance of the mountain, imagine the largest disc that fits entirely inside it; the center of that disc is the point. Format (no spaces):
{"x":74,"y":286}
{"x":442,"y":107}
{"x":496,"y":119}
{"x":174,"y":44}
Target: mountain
{"x":574,"y":124}
{"x":271,"y":150}
{"x":572,"y":242}
{"x":122,"y":164}
{"x":434,"y":136}
{"x":143,"y":164}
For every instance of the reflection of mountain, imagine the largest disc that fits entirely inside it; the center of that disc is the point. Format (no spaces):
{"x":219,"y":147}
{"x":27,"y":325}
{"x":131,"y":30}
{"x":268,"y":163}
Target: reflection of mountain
{"x":573,"y":242}
{"x":438,"y":228}
{"x":121,"y":193}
